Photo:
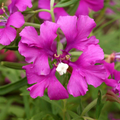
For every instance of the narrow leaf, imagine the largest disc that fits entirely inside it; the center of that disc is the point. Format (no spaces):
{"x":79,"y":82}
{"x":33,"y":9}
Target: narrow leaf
{"x":99,"y":105}
{"x":13,"y":86}
{"x":12,"y":65}
{"x":65,"y":4}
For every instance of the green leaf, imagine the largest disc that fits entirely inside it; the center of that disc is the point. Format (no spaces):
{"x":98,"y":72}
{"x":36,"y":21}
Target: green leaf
{"x":5,"y":110}
{"x":99,"y":105}
{"x":11,"y":74}
{"x":65,"y":4}
{"x":3,"y":99}
{"x":11,"y":47}
{"x":13,"y":65}
{"x":72,"y":114}
{"x":14,"y":109}
{"x":73,"y":8}
{"x":13,"y":86}
{"x":50,"y":101}
{"x":80,"y":107}
{"x":26,"y":102}
{"x":55,"y":109}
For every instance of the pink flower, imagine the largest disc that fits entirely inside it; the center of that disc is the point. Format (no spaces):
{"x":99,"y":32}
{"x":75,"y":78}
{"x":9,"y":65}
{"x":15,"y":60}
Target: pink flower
{"x":38,"y":48}
{"x":19,"y":5}
{"x":45,"y":4}
{"x":114,"y":82}
{"x":15,"y":19}
{"x":85,"y":5}
{"x":83,"y":8}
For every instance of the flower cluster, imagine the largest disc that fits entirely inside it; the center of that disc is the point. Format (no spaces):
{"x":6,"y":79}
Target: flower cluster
{"x":42,"y":47}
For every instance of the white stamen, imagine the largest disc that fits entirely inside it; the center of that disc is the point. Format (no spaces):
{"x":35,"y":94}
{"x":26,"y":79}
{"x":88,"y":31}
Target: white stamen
{"x":62,"y":68}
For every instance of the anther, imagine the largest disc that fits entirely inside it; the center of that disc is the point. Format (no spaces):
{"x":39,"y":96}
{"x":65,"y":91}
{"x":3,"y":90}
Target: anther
{"x":67,"y":57}
{"x":57,"y":56}
{"x":3,"y":7}
{"x":55,"y":64}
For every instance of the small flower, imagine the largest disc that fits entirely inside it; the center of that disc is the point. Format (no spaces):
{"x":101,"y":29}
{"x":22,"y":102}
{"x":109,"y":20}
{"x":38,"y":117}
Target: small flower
{"x":83,"y":8}
{"x":8,"y":33}
{"x":45,"y":4}
{"x":85,"y":5}
{"x":114,"y":82}
{"x":19,"y":5}
{"x":38,"y":49}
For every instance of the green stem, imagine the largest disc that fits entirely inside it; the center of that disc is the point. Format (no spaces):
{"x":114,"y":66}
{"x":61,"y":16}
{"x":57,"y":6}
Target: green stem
{"x":52,"y":10}
{"x":32,"y":24}
{"x":36,"y":11}
{"x":64,"y":109}
{"x":91,"y":105}
{"x":52,"y":15}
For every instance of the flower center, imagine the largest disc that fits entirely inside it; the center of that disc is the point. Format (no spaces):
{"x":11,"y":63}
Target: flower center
{"x":62,"y":63}
{"x":62,"y":68}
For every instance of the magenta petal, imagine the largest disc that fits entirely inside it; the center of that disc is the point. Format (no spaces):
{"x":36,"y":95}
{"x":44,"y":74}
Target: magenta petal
{"x":30,"y":53}
{"x":59,"y":12}
{"x":68,"y":26}
{"x":82,"y":8}
{"x":95,"y":75}
{"x":23,"y":4}
{"x":37,"y":89}
{"x":44,"y":4}
{"x":56,"y":90}
{"x":41,"y":65}
{"x":16,"y":19}
{"x":1,"y":12}
{"x":7,"y":35}
{"x":95,"y":5}
{"x":30,"y":36}
{"x":91,"y":55}
{"x":116,"y":75}
{"x":31,"y":76}
{"x":45,"y":15}
{"x":109,"y":67}
{"x":85,"y":25}
{"x":77,"y":84}
{"x":84,"y":43}
{"x":111,"y":82}
{"x":48,"y":32}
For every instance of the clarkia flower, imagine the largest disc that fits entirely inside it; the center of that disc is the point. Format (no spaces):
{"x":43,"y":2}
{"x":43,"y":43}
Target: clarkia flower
{"x":83,"y":8}
{"x":114,"y":82}
{"x":14,"y":18}
{"x":85,"y":5}
{"x":45,"y":4}
{"x":19,"y":5}
{"x":39,"y":48}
